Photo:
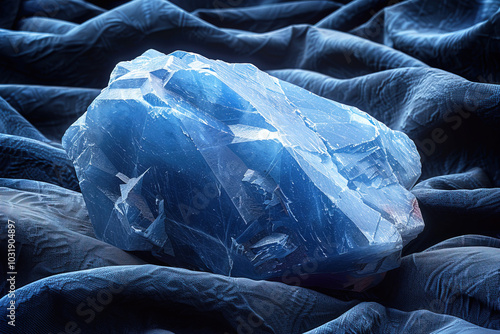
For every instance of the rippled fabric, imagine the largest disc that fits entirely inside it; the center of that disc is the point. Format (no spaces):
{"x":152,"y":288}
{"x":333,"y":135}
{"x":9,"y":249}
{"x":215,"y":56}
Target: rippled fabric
{"x":53,"y":232}
{"x":419,"y":297}
{"x":428,"y":68}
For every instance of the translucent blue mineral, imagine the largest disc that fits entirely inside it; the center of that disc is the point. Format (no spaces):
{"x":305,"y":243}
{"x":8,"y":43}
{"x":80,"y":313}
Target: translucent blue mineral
{"x":223,"y":168}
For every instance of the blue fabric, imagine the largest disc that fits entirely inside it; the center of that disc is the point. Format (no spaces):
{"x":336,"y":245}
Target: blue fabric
{"x":426,"y":67}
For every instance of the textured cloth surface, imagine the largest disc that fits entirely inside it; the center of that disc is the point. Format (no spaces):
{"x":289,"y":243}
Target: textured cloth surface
{"x":429,"y":68}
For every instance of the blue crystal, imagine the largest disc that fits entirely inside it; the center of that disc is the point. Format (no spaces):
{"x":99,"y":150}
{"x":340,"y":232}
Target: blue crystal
{"x":223,"y":168}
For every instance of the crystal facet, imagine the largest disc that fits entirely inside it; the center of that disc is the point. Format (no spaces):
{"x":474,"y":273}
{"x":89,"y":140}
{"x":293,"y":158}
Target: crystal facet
{"x":224,"y":168}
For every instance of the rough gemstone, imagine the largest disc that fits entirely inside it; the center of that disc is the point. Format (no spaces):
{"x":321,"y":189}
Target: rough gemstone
{"x":223,"y":168}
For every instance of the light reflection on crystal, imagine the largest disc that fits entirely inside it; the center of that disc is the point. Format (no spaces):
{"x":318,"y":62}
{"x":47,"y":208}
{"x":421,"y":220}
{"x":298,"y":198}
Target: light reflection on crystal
{"x":221,"y":167}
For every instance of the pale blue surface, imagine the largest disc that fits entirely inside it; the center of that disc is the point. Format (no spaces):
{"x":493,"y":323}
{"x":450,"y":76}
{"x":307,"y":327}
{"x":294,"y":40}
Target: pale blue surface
{"x":223,"y":168}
